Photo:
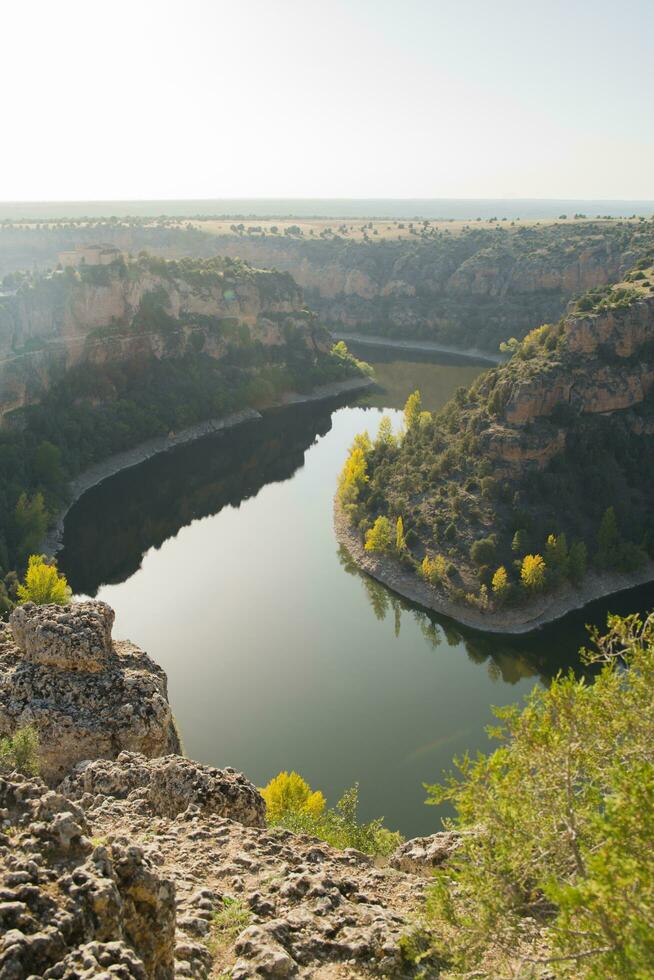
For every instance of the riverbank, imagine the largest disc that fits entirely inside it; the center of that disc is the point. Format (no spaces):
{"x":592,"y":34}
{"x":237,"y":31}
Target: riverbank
{"x":421,"y":346}
{"x":546,"y":608}
{"x":118,"y":462}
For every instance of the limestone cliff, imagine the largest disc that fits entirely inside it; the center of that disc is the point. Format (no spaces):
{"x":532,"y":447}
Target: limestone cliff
{"x":472,"y":290}
{"x":86,"y":696}
{"x":145,"y":308}
{"x":530,"y":461}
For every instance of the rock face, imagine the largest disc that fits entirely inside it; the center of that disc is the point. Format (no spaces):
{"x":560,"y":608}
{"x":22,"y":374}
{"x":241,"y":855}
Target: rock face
{"x":301,"y":908}
{"x":87,"y":696}
{"x":145,"y":309}
{"x":69,"y":909}
{"x":470,"y":290}
{"x":66,"y":637}
{"x":169,"y":785}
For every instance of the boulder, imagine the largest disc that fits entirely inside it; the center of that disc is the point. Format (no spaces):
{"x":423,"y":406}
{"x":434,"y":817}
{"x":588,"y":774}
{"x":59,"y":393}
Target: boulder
{"x":73,"y":637}
{"x":420,"y":855}
{"x":169,"y":785}
{"x":87,"y":696}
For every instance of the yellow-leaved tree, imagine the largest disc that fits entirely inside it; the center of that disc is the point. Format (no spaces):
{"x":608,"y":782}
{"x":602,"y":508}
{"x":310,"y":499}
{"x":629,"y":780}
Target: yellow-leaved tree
{"x":290,"y":793}
{"x":433,"y":569}
{"x":43,"y":584}
{"x":500,"y":583}
{"x":532,"y":572}
{"x":412,"y":409}
{"x":379,"y":537}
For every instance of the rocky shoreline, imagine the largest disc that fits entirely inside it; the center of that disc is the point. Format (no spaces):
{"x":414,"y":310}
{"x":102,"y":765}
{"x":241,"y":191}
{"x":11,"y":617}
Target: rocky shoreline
{"x":118,"y":462}
{"x":543,"y":610}
{"x":420,"y":346}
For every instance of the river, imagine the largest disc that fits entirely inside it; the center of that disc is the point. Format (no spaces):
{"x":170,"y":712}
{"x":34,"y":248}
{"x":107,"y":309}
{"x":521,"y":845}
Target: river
{"x":220,"y":560}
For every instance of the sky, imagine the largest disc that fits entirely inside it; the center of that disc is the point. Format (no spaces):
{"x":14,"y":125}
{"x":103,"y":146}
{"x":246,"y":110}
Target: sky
{"x":151,"y":99}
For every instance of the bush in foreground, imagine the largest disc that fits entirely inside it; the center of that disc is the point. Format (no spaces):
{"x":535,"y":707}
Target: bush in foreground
{"x":558,"y":874}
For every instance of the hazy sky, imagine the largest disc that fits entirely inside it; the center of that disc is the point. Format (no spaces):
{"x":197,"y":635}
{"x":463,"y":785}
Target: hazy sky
{"x":327,"y":98}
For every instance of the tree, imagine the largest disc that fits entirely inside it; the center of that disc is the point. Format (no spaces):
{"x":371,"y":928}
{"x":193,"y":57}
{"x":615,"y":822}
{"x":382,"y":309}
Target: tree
{"x":482,"y":552}
{"x":556,"y":556}
{"x":608,"y":539}
{"x":532,"y":572}
{"x":433,"y":569}
{"x":379,"y":537}
{"x":519,"y":543}
{"x":500,"y":584}
{"x":352,"y":480}
{"x":385,"y":435}
{"x":47,"y":465}
{"x":412,"y":409}
{"x":400,"y":541}
{"x":30,"y":522}
{"x":290,"y":793}
{"x":577,"y":562}
{"x":43,"y":584}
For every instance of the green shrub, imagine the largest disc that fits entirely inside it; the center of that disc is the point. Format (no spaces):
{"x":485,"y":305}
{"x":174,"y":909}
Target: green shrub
{"x":20,"y":751}
{"x":557,"y":857}
{"x":482,"y":552}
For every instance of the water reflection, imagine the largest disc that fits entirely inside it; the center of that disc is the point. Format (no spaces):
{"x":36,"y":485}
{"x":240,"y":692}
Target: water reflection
{"x":509,"y":659}
{"x":110,"y":529}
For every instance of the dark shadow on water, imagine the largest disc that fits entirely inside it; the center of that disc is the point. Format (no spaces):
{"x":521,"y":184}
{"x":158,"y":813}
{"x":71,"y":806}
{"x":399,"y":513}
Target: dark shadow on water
{"x":109,"y":530}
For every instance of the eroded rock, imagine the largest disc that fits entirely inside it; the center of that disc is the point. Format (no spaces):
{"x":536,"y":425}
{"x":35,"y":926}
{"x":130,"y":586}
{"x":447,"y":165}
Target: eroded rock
{"x":420,"y":855}
{"x":87,"y":696}
{"x":169,"y":785}
{"x":69,"y":908}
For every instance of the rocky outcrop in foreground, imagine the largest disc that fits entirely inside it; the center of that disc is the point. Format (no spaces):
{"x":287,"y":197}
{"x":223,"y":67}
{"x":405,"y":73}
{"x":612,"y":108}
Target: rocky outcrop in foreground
{"x":122,"y":882}
{"x":87,"y":696}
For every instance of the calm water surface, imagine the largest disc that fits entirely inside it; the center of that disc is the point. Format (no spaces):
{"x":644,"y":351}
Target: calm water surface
{"x":221,"y":561}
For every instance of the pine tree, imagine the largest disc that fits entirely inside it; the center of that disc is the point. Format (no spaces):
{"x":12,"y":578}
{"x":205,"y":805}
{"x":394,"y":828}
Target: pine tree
{"x":400,"y":541}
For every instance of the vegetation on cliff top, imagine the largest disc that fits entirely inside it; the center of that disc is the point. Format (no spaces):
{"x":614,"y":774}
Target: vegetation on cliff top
{"x":498,"y":504}
{"x":96,"y":410}
{"x":555,"y":869}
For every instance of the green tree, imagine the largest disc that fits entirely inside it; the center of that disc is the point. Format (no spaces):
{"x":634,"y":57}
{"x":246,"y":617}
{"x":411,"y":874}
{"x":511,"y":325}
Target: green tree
{"x":577,"y":562}
{"x":47,"y":465}
{"x":520,"y":542}
{"x":482,"y":552}
{"x":556,"y":557}
{"x":608,"y":539}
{"x":400,"y":541}
{"x":385,"y":435}
{"x":30,"y":523}
{"x":43,"y":584}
